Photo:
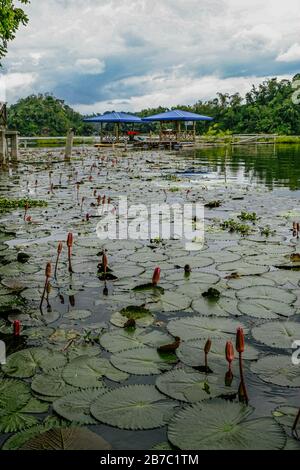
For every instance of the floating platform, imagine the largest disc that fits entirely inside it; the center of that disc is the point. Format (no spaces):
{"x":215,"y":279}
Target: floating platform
{"x":162,"y":144}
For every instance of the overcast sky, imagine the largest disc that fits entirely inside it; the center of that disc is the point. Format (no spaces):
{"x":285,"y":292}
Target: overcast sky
{"x":127,"y":55}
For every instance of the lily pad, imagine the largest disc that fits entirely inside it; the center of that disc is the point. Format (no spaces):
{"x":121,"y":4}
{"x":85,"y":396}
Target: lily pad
{"x":278,"y":370}
{"x":224,"y":426}
{"x":117,"y":341}
{"x":24,"y":364}
{"x":77,"y":314}
{"x":143,"y":361}
{"x":86,"y":372}
{"x":171,"y":302}
{"x":141,"y":315}
{"x":75,"y":406}
{"x":223,"y":307}
{"x":202,"y":327}
{"x":277,"y":334}
{"x":133,"y":407}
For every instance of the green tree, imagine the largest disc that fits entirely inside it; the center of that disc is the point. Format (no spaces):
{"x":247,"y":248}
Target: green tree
{"x":11,"y":17}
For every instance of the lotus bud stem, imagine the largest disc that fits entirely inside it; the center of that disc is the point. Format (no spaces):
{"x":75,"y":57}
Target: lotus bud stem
{"x":26,"y":207}
{"x":70,"y":245}
{"x":104,"y":262}
{"x":82,"y":201}
{"x":229,"y":352}
{"x":59,"y":250}
{"x":296,"y":423}
{"x":156,"y":277}
{"x":207,"y":348}
{"x":240,"y":347}
{"x":47,"y":275}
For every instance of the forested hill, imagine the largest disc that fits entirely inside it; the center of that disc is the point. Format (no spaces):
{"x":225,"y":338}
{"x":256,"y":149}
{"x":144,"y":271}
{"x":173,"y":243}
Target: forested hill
{"x":268,"y":108}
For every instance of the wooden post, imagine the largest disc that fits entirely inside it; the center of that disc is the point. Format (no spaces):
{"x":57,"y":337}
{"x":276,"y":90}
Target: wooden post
{"x":15,"y":146}
{"x":194,"y":131}
{"x":69,"y":145}
{"x":2,"y":146}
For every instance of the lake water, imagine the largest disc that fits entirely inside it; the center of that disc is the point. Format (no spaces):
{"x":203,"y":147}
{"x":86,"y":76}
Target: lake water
{"x":254,"y":272}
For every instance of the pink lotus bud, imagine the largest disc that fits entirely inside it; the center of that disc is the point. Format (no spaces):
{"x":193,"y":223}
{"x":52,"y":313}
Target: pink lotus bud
{"x":70,"y":240}
{"x":156,"y":276}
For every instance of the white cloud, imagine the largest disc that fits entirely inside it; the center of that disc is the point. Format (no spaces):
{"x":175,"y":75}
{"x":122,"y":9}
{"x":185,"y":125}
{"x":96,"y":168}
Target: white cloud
{"x":172,"y":91}
{"x":291,"y":55}
{"x":12,"y":84}
{"x":90,"y":66}
{"x":152,"y":49}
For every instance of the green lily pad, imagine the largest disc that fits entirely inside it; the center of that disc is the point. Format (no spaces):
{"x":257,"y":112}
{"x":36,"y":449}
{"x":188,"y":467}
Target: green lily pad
{"x":117,"y":341}
{"x":187,"y":385}
{"x":224,"y":426}
{"x":133,"y":407}
{"x":223,"y":307}
{"x":24,"y":364}
{"x":141,"y":315}
{"x":249,"y":281}
{"x":278,"y":370}
{"x":202,"y":327}
{"x":75,"y":406}
{"x":277,"y":334}
{"x":171,"y":302}
{"x":86,"y":372}
{"x":77,"y":314}
{"x":286,"y":415}
{"x":143,"y":361}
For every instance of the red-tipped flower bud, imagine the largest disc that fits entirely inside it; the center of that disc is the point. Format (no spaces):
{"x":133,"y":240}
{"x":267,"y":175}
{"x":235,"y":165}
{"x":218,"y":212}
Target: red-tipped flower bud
{"x":70,"y":240}
{"x":156,"y":276}
{"x":104,"y":262}
{"x":59,"y":248}
{"x":240,"y":340}
{"x":17,"y":327}
{"x":207,"y":346}
{"x":229,"y":351}
{"x":48,"y":270}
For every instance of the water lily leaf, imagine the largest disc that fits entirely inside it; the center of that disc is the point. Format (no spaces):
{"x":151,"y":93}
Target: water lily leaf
{"x":77,"y":314}
{"x":265,"y":309}
{"x":286,"y":415}
{"x":242,"y":268}
{"x":143,"y":257}
{"x":277,"y":334}
{"x":249,"y":281}
{"x":12,"y":421}
{"x":224,"y":426}
{"x":142,"y":361}
{"x":191,"y":352}
{"x":17,"y":440}
{"x":38,"y":332}
{"x":35,"y":406}
{"x":51,"y":384}
{"x":278,"y":370}
{"x":14,"y":394}
{"x":266,"y":293}
{"x":67,"y":439}
{"x":133,"y":407}
{"x":76,"y":406}
{"x":62,"y":335}
{"x":35,"y":319}
{"x":117,"y":341}
{"x":141,"y":315}
{"x":223,"y":307}
{"x":194,"y":261}
{"x":180,"y":278}
{"x":171,"y":302}
{"x":85,"y":349}
{"x":187,"y":385}
{"x":85,"y":372}
{"x":202,"y":327}
{"x":23,"y":364}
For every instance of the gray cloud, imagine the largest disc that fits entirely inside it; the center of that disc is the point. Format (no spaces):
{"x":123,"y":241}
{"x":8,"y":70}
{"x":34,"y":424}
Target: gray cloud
{"x":98,"y":53}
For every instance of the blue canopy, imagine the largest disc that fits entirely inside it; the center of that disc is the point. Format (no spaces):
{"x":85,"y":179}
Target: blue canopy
{"x":177,"y":115}
{"x":114,"y":117}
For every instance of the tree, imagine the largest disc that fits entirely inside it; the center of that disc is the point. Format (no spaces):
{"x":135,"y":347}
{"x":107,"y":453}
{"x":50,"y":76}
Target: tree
{"x":11,"y":17}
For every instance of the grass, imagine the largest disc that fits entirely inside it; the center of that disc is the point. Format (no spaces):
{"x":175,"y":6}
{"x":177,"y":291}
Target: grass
{"x":9,"y":204}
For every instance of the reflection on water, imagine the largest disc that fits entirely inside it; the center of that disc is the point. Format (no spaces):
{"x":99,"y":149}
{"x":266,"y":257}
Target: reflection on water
{"x":274,"y":166}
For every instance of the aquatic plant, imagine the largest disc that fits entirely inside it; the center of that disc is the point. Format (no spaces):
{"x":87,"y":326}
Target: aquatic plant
{"x":250,"y":216}
{"x":207,"y":349}
{"x":234,"y":226}
{"x":229,"y":353}
{"x":295,"y":424}
{"x":59,"y":250}
{"x":267,"y":231}
{"x":156,"y":277}
{"x":47,"y":276}
{"x":17,"y":328}
{"x":9,"y":204}
{"x":169,"y":348}
{"x":212,"y":294}
{"x":240,"y":347}
{"x":213,"y":204}
{"x":70,"y":245}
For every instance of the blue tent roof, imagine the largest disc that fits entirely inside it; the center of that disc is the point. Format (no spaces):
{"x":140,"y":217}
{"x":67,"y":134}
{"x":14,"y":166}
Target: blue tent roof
{"x":114,"y":117}
{"x":177,"y":115}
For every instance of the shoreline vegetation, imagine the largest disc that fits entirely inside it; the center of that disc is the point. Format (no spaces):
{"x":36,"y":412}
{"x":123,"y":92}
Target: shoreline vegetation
{"x":270,"y":108}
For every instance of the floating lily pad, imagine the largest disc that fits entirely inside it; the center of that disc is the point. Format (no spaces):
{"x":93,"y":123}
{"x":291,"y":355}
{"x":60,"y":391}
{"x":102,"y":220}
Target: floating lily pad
{"x":249,"y":281}
{"x":191,"y":352}
{"x":77,"y":314}
{"x":51,"y":384}
{"x":143,"y":361}
{"x":133,"y":407}
{"x":86,"y":372}
{"x":286,"y":415}
{"x":75,"y":406}
{"x":141,"y":315}
{"x":224,"y":426}
{"x":223,"y":307}
{"x":187,"y":385}
{"x":267,"y":293}
{"x":278,"y":370}
{"x":24,"y":364}
{"x":242,"y":268}
{"x":277,"y":334}
{"x":117,"y":341}
{"x":194,"y":261}
{"x":67,"y":439}
{"x":171,"y":302}
{"x":201,"y":327}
